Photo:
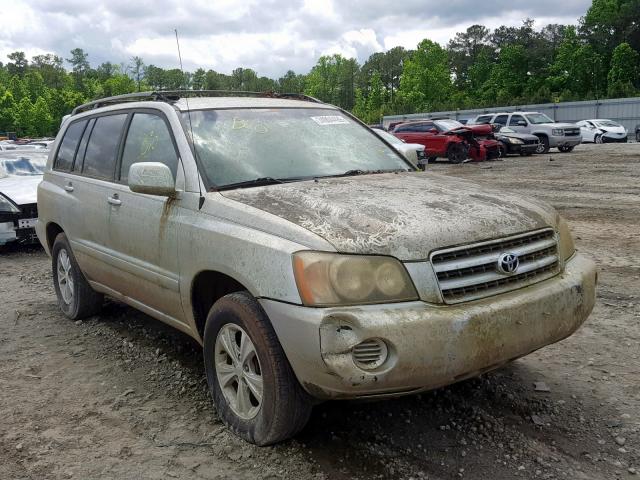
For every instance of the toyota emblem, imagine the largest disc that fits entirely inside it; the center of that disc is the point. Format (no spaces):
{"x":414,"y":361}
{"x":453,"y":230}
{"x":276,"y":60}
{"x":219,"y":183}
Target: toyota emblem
{"x":508,"y":263}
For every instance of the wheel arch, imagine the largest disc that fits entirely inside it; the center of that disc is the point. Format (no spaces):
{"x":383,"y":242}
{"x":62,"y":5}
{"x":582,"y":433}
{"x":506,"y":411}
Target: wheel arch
{"x":207,"y":287}
{"x":52,"y":231}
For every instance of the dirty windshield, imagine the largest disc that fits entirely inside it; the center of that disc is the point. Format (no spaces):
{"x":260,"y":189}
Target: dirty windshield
{"x":245,"y":145}
{"x":21,"y":166}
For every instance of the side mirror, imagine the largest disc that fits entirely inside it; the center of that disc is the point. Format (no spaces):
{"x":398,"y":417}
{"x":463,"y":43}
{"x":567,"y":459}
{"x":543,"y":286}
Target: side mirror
{"x":522,"y":123}
{"x":152,"y":178}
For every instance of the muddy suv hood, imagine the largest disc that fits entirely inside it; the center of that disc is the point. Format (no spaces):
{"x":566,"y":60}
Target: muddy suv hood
{"x":405,"y":215}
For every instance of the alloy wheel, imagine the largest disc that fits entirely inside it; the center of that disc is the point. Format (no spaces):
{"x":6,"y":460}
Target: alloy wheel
{"x":65,"y":277}
{"x":238,"y":371}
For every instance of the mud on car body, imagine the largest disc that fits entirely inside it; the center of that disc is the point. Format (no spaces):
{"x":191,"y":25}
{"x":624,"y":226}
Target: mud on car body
{"x":307,"y":256}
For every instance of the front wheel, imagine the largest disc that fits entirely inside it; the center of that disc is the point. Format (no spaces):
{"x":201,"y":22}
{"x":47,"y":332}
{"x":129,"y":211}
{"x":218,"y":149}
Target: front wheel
{"x":76,"y":298}
{"x":502,"y":151}
{"x":638,"y":137}
{"x":457,"y":153}
{"x":252,"y":384}
{"x":543,"y":146}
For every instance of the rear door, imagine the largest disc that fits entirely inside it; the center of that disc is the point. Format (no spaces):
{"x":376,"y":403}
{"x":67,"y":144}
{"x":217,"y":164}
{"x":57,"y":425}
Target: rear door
{"x":142,"y":228}
{"x":87,"y":186}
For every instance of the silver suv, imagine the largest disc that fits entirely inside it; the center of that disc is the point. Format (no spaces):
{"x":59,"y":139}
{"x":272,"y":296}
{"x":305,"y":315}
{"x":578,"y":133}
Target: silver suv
{"x":307,"y":256}
{"x":563,"y":136}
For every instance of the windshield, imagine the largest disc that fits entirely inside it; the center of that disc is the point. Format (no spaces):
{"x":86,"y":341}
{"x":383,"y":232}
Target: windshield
{"x":538,"y":118}
{"x":388,"y":137}
{"x":447,"y":125}
{"x":507,"y":130}
{"x":241,"y":145}
{"x":20,"y":166}
{"x":607,"y":123}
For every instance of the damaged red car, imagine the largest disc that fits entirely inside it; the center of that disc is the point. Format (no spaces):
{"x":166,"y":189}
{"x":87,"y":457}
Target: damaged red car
{"x":450,"y":139}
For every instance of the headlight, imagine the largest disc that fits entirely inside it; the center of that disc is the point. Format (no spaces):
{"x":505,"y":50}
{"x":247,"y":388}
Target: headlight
{"x":557,"y":132}
{"x":328,"y":279}
{"x":7,"y":206}
{"x":515,"y":141}
{"x":566,"y":246}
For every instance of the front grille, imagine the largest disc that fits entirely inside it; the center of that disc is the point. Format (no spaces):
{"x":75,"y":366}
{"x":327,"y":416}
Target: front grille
{"x":531,"y":142}
{"x":571,"y":132}
{"x":470,"y":272}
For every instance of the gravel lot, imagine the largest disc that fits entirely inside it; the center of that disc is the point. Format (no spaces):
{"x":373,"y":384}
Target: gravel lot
{"x":123,"y":396}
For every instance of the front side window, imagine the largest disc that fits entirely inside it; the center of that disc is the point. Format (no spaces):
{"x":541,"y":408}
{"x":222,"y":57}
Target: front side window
{"x":242,"y":145}
{"x":69,"y":145}
{"x":148,"y":140}
{"x":515,"y":119}
{"x":102,"y":149}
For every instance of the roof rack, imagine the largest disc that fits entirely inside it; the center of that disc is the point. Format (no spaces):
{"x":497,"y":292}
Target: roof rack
{"x":172,"y":96}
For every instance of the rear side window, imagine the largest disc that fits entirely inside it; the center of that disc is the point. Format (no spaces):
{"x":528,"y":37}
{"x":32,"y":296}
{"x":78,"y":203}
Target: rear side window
{"x":69,"y":145}
{"x":102,"y":149}
{"x":148,"y":140}
{"x":501,"y":119}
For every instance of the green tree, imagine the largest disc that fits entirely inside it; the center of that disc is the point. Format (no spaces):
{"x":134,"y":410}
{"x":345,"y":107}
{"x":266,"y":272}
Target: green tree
{"x":79,"y":64}
{"x":23,"y":117}
{"x":18,"y":64}
{"x":136,"y":66}
{"x":42,"y":120}
{"x":426,"y":79}
{"x":624,"y":71}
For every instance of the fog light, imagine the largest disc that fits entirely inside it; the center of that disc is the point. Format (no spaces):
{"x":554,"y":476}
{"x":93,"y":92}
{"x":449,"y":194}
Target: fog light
{"x":370,"y":354}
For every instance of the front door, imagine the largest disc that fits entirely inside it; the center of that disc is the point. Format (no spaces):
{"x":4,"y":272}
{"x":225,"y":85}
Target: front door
{"x":143,"y":228}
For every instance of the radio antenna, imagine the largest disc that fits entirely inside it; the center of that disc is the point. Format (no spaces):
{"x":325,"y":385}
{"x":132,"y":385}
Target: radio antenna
{"x":193,"y":140}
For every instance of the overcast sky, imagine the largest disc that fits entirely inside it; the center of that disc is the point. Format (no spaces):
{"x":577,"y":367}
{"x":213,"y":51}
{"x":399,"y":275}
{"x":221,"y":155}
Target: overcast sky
{"x":270,"y":36}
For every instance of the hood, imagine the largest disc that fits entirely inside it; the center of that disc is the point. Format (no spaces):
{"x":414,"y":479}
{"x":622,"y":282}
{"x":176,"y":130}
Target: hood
{"x":22,"y":190}
{"x":620,"y":130}
{"x":405,"y":215}
{"x":482,"y":129}
{"x":557,"y":125}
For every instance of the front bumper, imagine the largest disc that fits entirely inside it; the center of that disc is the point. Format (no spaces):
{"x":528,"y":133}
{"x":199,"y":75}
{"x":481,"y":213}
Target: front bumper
{"x":430,"y":345}
{"x":614,"y":138}
{"x":564,"y":141}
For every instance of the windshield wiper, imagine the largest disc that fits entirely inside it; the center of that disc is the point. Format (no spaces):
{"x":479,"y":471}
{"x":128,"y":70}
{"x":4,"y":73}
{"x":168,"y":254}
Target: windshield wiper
{"x":355,"y":173}
{"x":256,"y":182}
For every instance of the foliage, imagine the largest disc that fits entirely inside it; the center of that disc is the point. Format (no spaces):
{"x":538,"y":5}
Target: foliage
{"x":479,"y":67}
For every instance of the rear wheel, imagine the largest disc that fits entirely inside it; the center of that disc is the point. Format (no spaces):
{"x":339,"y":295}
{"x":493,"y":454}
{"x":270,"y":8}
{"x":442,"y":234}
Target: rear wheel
{"x":457,"y":153}
{"x":76,"y":298}
{"x":252,"y":384}
{"x":543,"y":146}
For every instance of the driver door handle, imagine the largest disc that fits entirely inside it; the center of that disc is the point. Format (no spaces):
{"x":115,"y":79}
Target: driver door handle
{"x":114,"y":200}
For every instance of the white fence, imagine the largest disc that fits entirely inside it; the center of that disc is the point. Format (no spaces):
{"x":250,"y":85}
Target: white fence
{"x":625,"y":111}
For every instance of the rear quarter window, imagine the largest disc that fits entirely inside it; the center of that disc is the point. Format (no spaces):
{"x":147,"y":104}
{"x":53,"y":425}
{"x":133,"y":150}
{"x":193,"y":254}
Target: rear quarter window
{"x":102,"y":149}
{"x":68,"y":146}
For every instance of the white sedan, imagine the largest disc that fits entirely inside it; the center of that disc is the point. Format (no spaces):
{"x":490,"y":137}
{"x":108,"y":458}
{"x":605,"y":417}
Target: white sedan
{"x":414,"y":152}
{"x":602,"y":131}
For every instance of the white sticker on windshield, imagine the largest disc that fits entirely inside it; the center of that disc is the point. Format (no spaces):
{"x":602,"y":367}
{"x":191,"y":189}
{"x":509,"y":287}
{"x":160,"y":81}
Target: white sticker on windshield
{"x":330,"y":120}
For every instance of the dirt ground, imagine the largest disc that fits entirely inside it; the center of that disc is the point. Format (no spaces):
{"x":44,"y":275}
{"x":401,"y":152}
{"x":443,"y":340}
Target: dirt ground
{"x":123,"y":396}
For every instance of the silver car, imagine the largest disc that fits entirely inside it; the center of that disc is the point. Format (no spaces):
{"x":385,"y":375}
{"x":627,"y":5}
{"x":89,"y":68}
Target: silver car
{"x":308,"y":257}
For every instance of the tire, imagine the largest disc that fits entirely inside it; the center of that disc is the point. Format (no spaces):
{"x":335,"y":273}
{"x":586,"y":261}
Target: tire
{"x":598,"y":139}
{"x":457,"y":153}
{"x":76,"y":298}
{"x":502,"y":151}
{"x":433,"y":159}
{"x":543,"y":147}
{"x":284,"y":407}
{"x":566,"y":149}
{"x":638,"y":137}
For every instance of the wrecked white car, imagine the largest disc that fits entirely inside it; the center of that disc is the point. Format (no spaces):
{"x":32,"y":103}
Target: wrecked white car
{"x":20,"y":174}
{"x":308,"y":257}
